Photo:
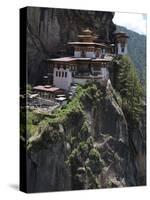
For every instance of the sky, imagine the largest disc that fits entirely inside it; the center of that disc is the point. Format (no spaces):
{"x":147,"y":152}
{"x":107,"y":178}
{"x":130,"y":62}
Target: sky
{"x":132,"y":21}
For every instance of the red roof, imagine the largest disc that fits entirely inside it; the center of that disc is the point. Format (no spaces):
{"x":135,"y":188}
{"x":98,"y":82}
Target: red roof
{"x":48,"y":88}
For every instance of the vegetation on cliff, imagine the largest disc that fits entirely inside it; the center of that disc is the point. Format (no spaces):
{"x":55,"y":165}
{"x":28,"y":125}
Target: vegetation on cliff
{"x":92,"y":130}
{"x":89,"y":134}
{"x":137,"y":52}
{"x":86,"y":96}
{"x":69,"y":125}
{"x":127,"y":83}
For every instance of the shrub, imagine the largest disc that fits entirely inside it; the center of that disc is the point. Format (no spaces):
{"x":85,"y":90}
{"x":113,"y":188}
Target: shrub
{"x":85,"y":131}
{"x":94,"y":154}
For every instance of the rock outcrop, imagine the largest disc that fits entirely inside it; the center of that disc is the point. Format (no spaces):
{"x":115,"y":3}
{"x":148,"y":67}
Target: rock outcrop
{"x":49,"y":30}
{"x":91,"y":147}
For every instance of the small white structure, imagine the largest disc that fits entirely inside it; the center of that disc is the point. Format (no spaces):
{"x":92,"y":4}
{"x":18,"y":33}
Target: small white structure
{"x":62,"y":78}
{"x":122,"y":49}
{"x":121,"y":43}
{"x":61,"y":100}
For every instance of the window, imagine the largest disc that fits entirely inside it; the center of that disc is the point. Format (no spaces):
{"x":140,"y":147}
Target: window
{"x":103,"y":50}
{"x":59,"y":74}
{"x":122,"y":49}
{"x":56,"y":73}
{"x":73,"y":74}
{"x":62,"y":74}
{"x":66,"y":74}
{"x":97,"y":53}
{"x":83,"y":54}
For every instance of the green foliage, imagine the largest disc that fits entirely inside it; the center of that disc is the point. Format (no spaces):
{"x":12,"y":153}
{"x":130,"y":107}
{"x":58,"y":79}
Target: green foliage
{"x":91,"y":95}
{"x":88,"y":95}
{"x":137,"y":52}
{"x":95,"y":163}
{"x":90,"y":142}
{"x":34,"y":122}
{"x":94,"y":154}
{"x":85,"y":161}
{"x":83,"y":147}
{"x":28,"y":88}
{"x":128,"y":85}
{"x":85,"y":130}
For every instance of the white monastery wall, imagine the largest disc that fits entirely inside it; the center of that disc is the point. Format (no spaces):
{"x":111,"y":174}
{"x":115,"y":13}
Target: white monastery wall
{"x":90,"y":54}
{"x":77,"y":54}
{"x":120,"y":50}
{"x":105,"y":73}
{"x":60,"y":79}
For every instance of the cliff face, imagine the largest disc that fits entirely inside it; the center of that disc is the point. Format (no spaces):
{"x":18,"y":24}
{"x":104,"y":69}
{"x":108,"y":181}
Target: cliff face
{"x":87,"y":144}
{"x":47,"y":170}
{"x":49,"y":30}
{"x":90,"y":147}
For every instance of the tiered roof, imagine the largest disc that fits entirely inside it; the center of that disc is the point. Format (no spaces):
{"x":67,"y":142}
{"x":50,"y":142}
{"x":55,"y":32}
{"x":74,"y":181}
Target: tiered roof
{"x":121,"y":34}
{"x":87,"y":38}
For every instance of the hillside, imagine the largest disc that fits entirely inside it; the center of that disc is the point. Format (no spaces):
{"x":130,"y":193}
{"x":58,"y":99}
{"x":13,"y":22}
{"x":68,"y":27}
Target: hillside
{"x":136,"y":50}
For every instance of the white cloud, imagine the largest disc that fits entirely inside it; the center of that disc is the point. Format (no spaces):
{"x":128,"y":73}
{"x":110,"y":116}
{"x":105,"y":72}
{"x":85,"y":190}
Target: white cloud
{"x":132,"y":21}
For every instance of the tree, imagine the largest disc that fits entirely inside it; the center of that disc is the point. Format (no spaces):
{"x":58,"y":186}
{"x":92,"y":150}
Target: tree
{"x":128,"y":85}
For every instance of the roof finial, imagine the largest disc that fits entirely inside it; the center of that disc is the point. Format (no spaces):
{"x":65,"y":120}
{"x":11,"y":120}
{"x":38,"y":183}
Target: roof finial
{"x":87,"y":31}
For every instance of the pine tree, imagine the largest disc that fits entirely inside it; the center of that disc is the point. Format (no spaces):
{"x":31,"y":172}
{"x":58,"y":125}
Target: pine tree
{"x":128,"y":85}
